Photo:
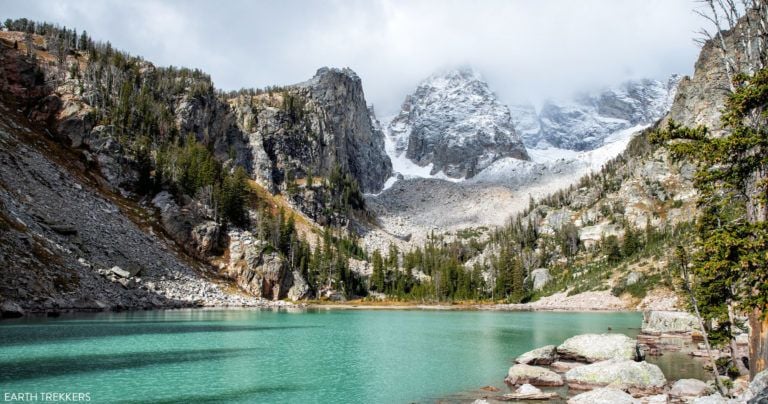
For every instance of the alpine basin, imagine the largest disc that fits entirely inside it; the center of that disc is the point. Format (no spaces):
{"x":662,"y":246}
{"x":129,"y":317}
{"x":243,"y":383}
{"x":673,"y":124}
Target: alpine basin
{"x":378,"y":356}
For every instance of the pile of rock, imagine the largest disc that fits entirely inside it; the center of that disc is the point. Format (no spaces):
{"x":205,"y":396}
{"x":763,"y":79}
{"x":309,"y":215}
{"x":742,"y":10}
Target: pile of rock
{"x":608,"y":366}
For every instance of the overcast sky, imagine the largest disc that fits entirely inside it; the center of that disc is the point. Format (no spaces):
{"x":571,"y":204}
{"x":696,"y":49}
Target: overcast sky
{"x":526,"y":49}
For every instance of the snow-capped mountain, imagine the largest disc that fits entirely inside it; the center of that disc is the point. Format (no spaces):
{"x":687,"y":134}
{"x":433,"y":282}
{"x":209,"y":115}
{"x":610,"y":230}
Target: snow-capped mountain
{"x":584,"y":122}
{"x":453,"y":124}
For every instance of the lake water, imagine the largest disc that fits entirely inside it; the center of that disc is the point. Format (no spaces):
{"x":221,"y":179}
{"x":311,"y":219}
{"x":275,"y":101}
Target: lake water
{"x":338,"y":356}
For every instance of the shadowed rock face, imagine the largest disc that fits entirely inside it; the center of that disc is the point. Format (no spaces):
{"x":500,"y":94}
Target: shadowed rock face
{"x":357,"y":144}
{"x":455,"y":122}
{"x":312,"y":127}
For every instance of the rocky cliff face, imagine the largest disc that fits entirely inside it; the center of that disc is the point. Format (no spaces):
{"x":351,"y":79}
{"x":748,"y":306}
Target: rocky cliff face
{"x":584,"y":122}
{"x":454,"y":122}
{"x":311,"y":127}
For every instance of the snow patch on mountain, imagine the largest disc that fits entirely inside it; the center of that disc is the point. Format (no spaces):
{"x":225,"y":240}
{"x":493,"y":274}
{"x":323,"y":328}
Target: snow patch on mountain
{"x":553,"y":163}
{"x":587,"y":121}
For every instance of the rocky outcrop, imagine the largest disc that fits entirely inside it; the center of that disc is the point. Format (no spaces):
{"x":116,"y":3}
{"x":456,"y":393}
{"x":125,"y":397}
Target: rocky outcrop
{"x":535,"y":375}
{"x":668,"y":322}
{"x":757,"y":393}
{"x":189,"y":226}
{"x":312,"y":127}
{"x":597,"y":347}
{"x":257,"y":268}
{"x":605,"y":395}
{"x":635,"y":377}
{"x":455,"y":123}
{"x":540,"y":278}
{"x":539,"y":356}
{"x":300,"y":288}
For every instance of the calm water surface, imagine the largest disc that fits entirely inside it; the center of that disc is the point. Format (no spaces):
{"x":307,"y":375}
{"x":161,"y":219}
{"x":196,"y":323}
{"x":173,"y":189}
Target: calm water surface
{"x":376,"y":356}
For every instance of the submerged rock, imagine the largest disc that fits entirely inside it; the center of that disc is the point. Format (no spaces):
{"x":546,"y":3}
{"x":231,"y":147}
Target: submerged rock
{"x":636,"y":377}
{"x":539,"y":356}
{"x":605,"y":395}
{"x":535,"y":375}
{"x":597,"y":347}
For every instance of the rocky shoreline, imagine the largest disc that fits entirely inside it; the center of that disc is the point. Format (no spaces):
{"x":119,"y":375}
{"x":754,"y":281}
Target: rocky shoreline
{"x":612,"y":369}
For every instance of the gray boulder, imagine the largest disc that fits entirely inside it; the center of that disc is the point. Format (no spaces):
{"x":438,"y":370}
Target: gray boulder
{"x":539,"y":356}
{"x":635,"y":377}
{"x":529,"y":392}
{"x":123,"y":273}
{"x":710,"y":399}
{"x":300,"y":288}
{"x":688,"y":388}
{"x":564,"y":366}
{"x":633,"y":278}
{"x":605,"y":395}
{"x":10,"y":309}
{"x":757,"y":393}
{"x":668,"y":322}
{"x":597,"y":347}
{"x":540,"y":277}
{"x":189,"y":226}
{"x":535,"y":375}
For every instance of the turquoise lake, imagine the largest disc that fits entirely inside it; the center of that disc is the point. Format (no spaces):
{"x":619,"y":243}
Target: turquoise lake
{"x":303,"y":356}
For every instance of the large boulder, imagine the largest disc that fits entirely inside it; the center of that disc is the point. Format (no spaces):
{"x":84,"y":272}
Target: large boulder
{"x":535,"y":375}
{"x":668,"y":322}
{"x":635,"y":377}
{"x":605,"y":395}
{"x":539,"y":356}
{"x":257,"y":268}
{"x":689,"y":388}
{"x":758,"y":389}
{"x":540,"y":278}
{"x":300,"y":288}
{"x":190,"y":226}
{"x":9,"y":309}
{"x":597,"y":347}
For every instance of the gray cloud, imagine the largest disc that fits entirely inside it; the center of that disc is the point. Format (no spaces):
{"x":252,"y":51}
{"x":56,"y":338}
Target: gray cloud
{"x":526,"y":49}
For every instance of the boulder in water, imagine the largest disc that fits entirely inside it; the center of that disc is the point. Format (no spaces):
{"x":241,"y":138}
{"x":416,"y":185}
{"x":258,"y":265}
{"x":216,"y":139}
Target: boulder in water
{"x":597,"y":347}
{"x":539,"y":356}
{"x":635,"y":377}
{"x":535,"y":375}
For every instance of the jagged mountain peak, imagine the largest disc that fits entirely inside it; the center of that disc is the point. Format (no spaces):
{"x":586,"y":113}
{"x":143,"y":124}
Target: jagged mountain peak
{"x":584,"y":121}
{"x":455,"y":123}
{"x":331,"y":73}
